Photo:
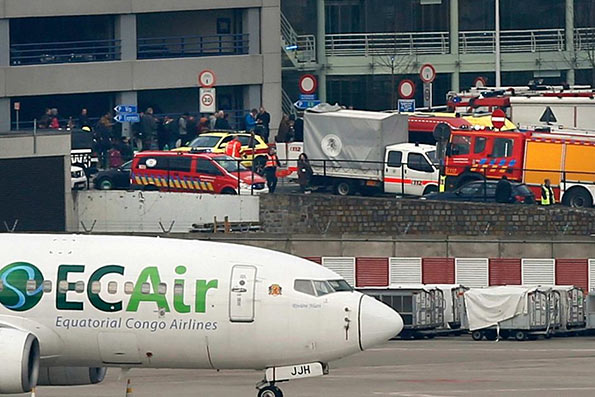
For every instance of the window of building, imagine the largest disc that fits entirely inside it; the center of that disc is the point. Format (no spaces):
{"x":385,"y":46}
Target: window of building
{"x":418,"y":162}
{"x":395,"y":158}
{"x":502,"y":147}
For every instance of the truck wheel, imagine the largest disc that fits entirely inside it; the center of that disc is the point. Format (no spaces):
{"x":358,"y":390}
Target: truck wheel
{"x":104,"y":184}
{"x":520,"y":336}
{"x":430,"y":189}
{"x":343,"y":188}
{"x":477,"y":335}
{"x":578,"y":198}
{"x":228,"y":190}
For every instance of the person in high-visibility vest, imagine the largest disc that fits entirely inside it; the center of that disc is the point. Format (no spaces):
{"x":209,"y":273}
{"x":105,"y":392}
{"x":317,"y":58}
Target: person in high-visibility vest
{"x":547,"y":193}
{"x":234,"y":147}
{"x":270,"y":169}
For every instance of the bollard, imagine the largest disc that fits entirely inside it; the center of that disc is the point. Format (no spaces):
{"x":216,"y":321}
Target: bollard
{"x":227,"y":225}
{"x":128,"y":389}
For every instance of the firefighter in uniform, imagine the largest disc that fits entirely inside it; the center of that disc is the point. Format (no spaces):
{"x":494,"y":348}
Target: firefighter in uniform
{"x":234,"y":147}
{"x":547,"y":193}
{"x":270,"y":169}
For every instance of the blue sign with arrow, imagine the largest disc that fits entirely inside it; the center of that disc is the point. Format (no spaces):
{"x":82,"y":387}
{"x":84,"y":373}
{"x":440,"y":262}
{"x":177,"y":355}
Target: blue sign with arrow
{"x":126,"y":109}
{"x":127,"y":118}
{"x":306,"y":104}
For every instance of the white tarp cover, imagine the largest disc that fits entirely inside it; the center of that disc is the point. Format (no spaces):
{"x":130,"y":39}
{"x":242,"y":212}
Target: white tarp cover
{"x":353,"y":135}
{"x":489,"y":306}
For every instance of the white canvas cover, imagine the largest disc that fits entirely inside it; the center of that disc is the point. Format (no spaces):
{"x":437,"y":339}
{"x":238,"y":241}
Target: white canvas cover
{"x":489,"y":306}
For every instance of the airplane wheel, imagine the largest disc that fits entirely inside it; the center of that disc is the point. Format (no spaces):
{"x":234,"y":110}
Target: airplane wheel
{"x":270,"y":391}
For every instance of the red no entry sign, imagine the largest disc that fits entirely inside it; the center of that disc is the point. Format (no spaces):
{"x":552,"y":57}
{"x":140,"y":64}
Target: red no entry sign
{"x":498,"y":119}
{"x":406,"y":89}
{"x":308,"y":84}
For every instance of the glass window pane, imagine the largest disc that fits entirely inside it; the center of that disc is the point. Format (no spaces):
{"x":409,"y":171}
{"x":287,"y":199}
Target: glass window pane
{"x":460,"y":145}
{"x":162,"y":289}
{"x":304,"y":286}
{"x":178,"y":289}
{"x":96,"y":287}
{"x":502,"y":147}
{"x":480,"y":145}
{"x":79,"y":287}
{"x":395,"y":159}
{"x":340,"y":285}
{"x":322,"y":287}
{"x":128,"y":288}
{"x":47,"y":286}
{"x":418,"y":162}
{"x":112,"y":287}
{"x":31,"y":286}
{"x":145,"y":288}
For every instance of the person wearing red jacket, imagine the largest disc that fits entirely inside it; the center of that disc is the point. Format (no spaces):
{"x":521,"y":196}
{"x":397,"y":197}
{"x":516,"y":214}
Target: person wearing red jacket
{"x":234,"y":147}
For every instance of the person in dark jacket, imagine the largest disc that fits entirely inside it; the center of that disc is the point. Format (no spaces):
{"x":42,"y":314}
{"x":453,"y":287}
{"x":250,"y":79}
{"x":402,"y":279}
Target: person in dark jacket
{"x":304,"y":172}
{"x":284,"y":130}
{"x":298,"y":128}
{"x":503,"y":190}
{"x":83,"y":120}
{"x":264,"y":119}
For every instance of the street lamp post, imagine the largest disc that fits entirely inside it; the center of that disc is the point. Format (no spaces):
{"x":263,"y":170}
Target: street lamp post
{"x":498,"y":53}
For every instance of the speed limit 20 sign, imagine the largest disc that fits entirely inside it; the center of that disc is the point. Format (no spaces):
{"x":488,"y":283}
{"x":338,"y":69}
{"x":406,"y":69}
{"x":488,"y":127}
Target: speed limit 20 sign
{"x":207,"y":100}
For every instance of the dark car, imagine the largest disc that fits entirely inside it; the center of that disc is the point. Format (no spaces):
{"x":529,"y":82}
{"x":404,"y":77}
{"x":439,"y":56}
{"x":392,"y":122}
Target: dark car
{"x":484,"y":191}
{"x":116,"y":178}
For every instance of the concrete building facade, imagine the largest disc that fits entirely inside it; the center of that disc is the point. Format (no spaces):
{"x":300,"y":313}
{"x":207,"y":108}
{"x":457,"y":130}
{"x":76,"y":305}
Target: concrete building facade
{"x":71,"y":54}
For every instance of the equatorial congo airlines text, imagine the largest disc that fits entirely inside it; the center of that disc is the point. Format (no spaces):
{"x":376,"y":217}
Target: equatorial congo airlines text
{"x":16,"y":297}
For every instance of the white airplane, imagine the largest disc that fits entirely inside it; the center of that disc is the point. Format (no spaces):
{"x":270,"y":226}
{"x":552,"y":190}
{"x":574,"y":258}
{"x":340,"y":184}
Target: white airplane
{"x":71,"y":306}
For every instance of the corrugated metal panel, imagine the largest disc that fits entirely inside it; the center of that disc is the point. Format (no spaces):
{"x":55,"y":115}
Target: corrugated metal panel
{"x":505,"y":271}
{"x":371,"y":272}
{"x":573,"y":272}
{"x":591,"y":274}
{"x":315,"y":259}
{"x":538,"y":271}
{"x":344,"y":266}
{"x":438,"y":270}
{"x":405,"y":270}
{"x":472,"y":272}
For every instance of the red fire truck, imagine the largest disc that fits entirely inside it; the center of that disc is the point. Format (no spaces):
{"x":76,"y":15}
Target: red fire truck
{"x":568,"y":161}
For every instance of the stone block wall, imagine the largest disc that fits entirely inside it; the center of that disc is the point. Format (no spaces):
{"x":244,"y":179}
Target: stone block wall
{"x":326,"y":214}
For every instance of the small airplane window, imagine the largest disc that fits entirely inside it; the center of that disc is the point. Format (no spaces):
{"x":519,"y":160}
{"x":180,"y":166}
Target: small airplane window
{"x":128,"y":288}
{"x":178,"y":289}
{"x":31,"y":285}
{"x":162,"y":289}
{"x":95,"y":287}
{"x":322,"y":287}
{"x":79,"y":287}
{"x":112,"y":287}
{"x":63,"y":286}
{"x":304,"y":286}
{"x":145,"y":288}
{"x":47,"y":286}
{"x":1,"y":285}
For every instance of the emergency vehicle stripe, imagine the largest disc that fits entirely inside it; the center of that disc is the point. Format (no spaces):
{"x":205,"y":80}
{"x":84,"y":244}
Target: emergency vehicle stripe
{"x":483,"y":161}
{"x":202,"y":186}
{"x":210,"y":185}
{"x":144,"y":180}
{"x":512,"y":163}
{"x":138,"y":180}
{"x":183,"y":183}
{"x":177,"y":183}
{"x":502,"y":163}
{"x":158,"y":181}
{"x":196,"y":185}
{"x":171,"y":183}
{"x":163,"y":181}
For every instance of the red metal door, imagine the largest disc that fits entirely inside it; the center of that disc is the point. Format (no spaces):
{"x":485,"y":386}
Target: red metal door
{"x":505,"y":271}
{"x":371,"y":272}
{"x":438,"y":270}
{"x":573,"y":272}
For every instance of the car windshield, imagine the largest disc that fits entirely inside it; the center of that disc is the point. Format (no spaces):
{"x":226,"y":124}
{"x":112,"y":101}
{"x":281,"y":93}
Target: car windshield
{"x":432,"y":156}
{"x":230,"y":164}
{"x":205,"y":141}
{"x":126,"y":166}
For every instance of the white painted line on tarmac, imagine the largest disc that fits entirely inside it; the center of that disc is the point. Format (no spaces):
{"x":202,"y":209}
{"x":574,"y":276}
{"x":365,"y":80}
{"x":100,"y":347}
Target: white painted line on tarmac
{"x":424,"y":394}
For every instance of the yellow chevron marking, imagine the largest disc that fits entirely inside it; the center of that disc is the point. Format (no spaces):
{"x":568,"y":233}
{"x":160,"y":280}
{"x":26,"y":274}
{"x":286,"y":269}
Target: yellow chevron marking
{"x":183,"y":183}
{"x":177,"y":183}
{"x":196,"y":185}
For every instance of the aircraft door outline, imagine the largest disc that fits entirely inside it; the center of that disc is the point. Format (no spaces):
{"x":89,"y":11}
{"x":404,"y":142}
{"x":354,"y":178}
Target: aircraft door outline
{"x":242,"y":290}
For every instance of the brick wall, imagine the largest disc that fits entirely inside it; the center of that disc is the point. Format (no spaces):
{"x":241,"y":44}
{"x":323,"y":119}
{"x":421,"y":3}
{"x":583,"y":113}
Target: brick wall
{"x":326,"y":214}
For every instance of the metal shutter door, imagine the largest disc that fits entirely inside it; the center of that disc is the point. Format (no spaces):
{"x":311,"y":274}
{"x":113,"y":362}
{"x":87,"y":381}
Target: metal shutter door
{"x":371,"y":272}
{"x":345,"y":267}
{"x":591,"y":274}
{"x":315,"y":259}
{"x":471,"y":272}
{"x":573,"y":272}
{"x":405,"y":270}
{"x":505,"y":271}
{"x":438,"y":270}
{"x":538,"y":271}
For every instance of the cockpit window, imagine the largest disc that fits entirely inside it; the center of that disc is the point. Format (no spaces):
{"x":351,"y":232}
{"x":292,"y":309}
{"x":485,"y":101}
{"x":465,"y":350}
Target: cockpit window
{"x":304,"y":286}
{"x":340,"y":285}
{"x":322,"y":287}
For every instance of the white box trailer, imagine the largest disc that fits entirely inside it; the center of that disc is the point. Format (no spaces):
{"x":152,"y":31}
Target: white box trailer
{"x":564,"y":111}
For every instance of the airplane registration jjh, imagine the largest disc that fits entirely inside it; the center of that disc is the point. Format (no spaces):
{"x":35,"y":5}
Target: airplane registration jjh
{"x":72,"y":306}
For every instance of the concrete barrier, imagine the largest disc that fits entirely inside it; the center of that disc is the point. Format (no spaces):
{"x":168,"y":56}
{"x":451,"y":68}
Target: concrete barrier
{"x":157,"y":212}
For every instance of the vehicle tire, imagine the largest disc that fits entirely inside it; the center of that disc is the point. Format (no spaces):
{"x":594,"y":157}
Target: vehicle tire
{"x":578,"y":198}
{"x":104,"y":184}
{"x":258,"y":165}
{"x":229,"y":191}
{"x":520,"y":336}
{"x":343,"y":188}
{"x":430,"y":189}
{"x":270,"y":391}
{"x":477,"y":335}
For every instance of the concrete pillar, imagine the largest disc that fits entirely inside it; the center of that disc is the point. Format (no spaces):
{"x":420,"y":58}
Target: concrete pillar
{"x":5,"y":114}
{"x":4,"y":42}
{"x":127,"y":98}
{"x":125,"y":30}
{"x":270,"y":26}
{"x":455,"y":84}
{"x":320,"y":48}
{"x":251,"y":26}
{"x":569,"y":33}
{"x":252,"y":97}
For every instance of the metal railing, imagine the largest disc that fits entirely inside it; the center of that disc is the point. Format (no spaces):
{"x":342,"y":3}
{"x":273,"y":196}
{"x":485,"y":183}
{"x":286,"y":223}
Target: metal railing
{"x":192,"y":46}
{"x":512,"y":41}
{"x":65,"y":52}
{"x":301,"y":49}
{"x":584,"y":39}
{"x":286,"y":103}
{"x":377,"y":44}
{"x":288,"y":34}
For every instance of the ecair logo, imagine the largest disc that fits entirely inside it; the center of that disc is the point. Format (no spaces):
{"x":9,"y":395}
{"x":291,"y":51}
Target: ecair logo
{"x":15,"y":294}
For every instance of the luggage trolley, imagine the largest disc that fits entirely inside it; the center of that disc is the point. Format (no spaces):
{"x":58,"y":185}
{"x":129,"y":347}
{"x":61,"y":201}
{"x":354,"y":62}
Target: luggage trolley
{"x":453,"y":308}
{"x":421,"y":308}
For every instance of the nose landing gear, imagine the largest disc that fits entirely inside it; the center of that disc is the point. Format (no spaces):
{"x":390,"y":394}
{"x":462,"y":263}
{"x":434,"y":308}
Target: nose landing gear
{"x":270,"y":391}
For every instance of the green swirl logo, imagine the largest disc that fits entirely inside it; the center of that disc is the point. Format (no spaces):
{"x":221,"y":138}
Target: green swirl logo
{"x":14,"y":294}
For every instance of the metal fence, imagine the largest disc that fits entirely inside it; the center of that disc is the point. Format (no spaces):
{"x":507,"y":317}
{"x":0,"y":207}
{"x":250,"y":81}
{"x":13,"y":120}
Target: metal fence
{"x":65,"y":52}
{"x":511,"y":41}
{"x":584,"y":39}
{"x":378,"y":44}
{"x":192,"y":46}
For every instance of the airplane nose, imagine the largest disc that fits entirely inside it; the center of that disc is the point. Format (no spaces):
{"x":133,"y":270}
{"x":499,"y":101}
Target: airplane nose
{"x":377,"y":322}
